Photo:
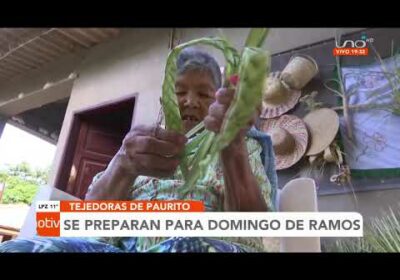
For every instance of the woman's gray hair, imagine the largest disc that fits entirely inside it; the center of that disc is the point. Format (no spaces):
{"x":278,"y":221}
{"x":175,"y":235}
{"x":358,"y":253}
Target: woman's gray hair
{"x":194,"y":59}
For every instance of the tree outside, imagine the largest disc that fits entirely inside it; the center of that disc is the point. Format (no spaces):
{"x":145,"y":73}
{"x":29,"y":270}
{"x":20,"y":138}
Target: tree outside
{"x":21,"y":182}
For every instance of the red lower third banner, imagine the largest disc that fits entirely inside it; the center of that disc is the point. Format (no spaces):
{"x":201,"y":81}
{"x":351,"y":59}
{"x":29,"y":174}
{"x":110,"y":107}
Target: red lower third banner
{"x":132,"y":206}
{"x":48,"y":212}
{"x":350,"y":51}
{"x":48,"y":223}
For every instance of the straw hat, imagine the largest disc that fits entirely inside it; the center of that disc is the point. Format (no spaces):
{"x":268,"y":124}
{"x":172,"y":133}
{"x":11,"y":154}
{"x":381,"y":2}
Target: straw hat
{"x":300,"y":70}
{"x":323,"y":125}
{"x":277,"y":99}
{"x":289,"y":138}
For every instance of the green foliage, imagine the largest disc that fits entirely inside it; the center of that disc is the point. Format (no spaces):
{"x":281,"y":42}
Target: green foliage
{"x":381,"y":235}
{"x":24,"y":171}
{"x":21,"y":183}
{"x":17,"y":190}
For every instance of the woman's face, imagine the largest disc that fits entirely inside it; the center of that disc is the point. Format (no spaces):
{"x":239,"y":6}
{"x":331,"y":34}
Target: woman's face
{"x":195,"y":90}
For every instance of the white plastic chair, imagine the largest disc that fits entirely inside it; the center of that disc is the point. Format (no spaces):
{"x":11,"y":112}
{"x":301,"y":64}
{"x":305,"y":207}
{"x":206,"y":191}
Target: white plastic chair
{"x":299,"y":195}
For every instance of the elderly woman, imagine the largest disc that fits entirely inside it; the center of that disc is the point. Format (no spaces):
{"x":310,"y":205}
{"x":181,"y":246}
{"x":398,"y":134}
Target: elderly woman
{"x":145,"y":168}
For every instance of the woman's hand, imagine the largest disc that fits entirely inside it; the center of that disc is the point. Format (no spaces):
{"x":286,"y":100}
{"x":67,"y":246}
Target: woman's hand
{"x":216,"y":113}
{"x":241,"y":192}
{"x":150,"y":151}
{"x":146,"y":150}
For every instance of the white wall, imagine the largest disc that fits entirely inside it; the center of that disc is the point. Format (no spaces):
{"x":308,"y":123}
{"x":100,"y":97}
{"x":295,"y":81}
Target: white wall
{"x":278,"y":40}
{"x":132,"y":63}
{"x":369,"y":203}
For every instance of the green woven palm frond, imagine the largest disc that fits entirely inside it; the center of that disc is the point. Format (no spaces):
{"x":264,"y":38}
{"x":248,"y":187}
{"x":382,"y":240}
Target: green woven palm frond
{"x":252,"y":67}
{"x":253,"y":72}
{"x":195,"y":130}
{"x":199,"y":164}
{"x":173,"y":120}
{"x":256,"y":37}
{"x":195,"y":143}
